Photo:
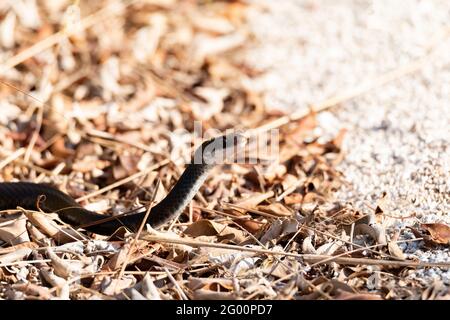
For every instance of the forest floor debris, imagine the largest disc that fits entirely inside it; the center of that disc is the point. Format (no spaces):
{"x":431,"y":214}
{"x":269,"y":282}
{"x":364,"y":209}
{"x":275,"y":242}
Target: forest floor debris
{"x":122,"y":84}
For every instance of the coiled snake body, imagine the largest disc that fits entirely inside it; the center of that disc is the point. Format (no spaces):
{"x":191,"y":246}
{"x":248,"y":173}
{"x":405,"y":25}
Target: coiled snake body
{"x":32,"y":195}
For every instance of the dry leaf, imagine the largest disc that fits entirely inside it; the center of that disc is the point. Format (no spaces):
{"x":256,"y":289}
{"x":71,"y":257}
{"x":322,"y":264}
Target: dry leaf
{"x":205,"y":46}
{"x":62,"y":285}
{"x":329,"y":248}
{"x":17,"y":255}
{"x":128,"y":105}
{"x":280,"y":228}
{"x":211,"y":228}
{"x":148,"y":288}
{"x":195,"y":283}
{"x":50,"y":228}
{"x":112,"y":286}
{"x":440,"y":233}
{"x":64,"y":268}
{"x":277,"y":209}
{"x":252,"y":201}
{"x":13,"y":229}
{"x":29,"y":245}
{"x":395,"y":250}
{"x":214,"y":105}
{"x":33,"y":290}
{"x":293,"y":198}
{"x":393,"y":247}
{"x":212,"y":24}
{"x":307,"y":246}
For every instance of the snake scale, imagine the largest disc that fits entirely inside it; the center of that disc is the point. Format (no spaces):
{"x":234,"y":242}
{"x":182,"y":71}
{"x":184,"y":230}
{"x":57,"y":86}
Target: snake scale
{"x":33,"y":196}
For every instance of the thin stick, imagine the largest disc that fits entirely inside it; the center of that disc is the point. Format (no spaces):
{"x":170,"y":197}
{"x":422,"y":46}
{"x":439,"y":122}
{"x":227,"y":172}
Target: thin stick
{"x":322,"y":262}
{"x":138,"y":233}
{"x":176,"y":285}
{"x":261,"y":213}
{"x":310,"y":258}
{"x":12,"y":157}
{"x":35,"y":136}
{"x":24,"y":262}
{"x":123,"y":181}
{"x":228,"y":215}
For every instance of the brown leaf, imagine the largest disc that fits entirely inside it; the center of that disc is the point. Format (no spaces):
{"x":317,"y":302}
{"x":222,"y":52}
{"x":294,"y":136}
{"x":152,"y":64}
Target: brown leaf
{"x":440,"y":233}
{"x":211,"y":228}
{"x":280,"y":228}
{"x":209,"y":284}
{"x":337,"y":141}
{"x":312,"y":197}
{"x":252,"y":201}
{"x":217,"y":25}
{"x":303,"y":128}
{"x":393,"y":247}
{"x":274,"y":171}
{"x":250,"y":225}
{"x":33,"y":290}
{"x":395,"y":250}
{"x":59,"y":149}
{"x":204,"y":46}
{"x":277,"y":209}
{"x":293,"y":198}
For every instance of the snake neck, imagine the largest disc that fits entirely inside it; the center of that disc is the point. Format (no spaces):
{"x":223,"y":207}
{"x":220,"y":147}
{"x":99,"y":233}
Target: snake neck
{"x":180,"y":196}
{"x":167,"y":209}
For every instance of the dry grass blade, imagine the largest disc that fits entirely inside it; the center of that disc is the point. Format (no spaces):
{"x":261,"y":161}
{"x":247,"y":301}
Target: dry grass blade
{"x":138,"y":233}
{"x":124,"y":181}
{"x":319,"y":259}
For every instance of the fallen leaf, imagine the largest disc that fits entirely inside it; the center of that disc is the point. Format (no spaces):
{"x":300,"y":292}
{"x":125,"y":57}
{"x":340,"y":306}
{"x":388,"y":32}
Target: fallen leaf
{"x":395,"y":250}
{"x":214,"y":284}
{"x":329,"y":248}
{"x":252,"y":201}
{"x":13,"y":229}
{"x":280,"y":228}
{"x":440,"y":233}
{"x":307,"y":246}
{"x":393,"y":247}
{"x":211,"y":228}
{"x":110,"y":286}
{"x":277,"y":209}
{"x":17,"y":255}
{"x":293,"y":198}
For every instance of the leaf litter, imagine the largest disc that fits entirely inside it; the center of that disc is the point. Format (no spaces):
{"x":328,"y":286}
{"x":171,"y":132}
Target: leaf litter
{"x":122,"y":84}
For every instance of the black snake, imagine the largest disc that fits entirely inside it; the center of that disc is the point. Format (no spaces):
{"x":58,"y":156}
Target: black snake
{"x":33,"y":196}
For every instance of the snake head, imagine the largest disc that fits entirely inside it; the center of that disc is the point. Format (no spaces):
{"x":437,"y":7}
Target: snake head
{"x":220,"y":149}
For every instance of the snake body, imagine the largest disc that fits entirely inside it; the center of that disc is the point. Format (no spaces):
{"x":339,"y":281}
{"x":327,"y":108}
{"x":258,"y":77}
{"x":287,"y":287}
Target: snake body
{"x":33,"y":196}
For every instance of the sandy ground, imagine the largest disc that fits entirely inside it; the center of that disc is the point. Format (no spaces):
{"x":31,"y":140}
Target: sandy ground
{"x":399,"y":134}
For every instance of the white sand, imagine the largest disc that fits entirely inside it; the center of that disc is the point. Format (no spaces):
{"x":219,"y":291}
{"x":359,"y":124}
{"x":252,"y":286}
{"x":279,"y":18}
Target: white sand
{"x":399,"y":134}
